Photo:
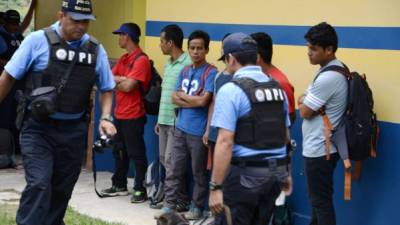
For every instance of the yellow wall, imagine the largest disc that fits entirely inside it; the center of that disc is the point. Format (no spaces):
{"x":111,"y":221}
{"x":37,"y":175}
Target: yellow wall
{"x":381,"y":66}
{"x":110,"y":15}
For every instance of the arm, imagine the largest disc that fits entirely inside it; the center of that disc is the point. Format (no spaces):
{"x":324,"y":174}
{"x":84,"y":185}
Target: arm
{"x":222,"y":159}
{"x":209,"y":117}
{"x":6,"y":83}
{"x":305,"y":111}
{"x":194,"y":101}
{"x":125,"y":84}
{"x":28,"y":17}
{"x":106,"y":127}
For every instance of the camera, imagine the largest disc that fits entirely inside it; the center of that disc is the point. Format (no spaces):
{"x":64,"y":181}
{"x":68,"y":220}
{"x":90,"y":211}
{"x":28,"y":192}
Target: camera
{"x":103,"y":142}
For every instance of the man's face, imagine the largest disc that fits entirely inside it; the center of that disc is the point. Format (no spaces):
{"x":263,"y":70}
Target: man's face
{"x":318,"y":55}
{"x":72,"y":30}
{"x":197,"y":50}
{"x":231,"y":65}
{"x":123,"y":40}
{"x":12,"y":27}
{"x":165,"y":45}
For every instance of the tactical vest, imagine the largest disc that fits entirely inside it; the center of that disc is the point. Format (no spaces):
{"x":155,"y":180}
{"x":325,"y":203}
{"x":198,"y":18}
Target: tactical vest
{"x":13,"y":42}
{"x":76,"y":93}
{"x":264,"y":126}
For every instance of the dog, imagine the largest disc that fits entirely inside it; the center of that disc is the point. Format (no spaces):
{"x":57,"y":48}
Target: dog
{"x":172,"y":219}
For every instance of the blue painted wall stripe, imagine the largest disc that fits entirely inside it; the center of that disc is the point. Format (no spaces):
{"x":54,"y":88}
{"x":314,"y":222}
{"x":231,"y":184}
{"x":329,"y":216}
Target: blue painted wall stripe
{"x":349,"y":37}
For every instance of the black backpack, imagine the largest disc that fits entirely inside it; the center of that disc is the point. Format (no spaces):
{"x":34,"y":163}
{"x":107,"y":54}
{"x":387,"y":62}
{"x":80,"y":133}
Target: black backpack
{"x":152,"y":94}
{"x":360,"y":121}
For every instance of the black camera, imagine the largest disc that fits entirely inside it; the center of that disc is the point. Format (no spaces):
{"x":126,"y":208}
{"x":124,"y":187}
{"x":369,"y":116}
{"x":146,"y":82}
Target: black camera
{"x":103,"y":142}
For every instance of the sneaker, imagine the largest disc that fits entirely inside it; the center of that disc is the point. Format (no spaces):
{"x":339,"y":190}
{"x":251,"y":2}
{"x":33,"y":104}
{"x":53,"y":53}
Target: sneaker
{"x":182,"y":207}
{"x":156,"y":205}
{"x":194,"y":213}
{"x":114,"y":191}
{"x":164,"y":210}
{"x":138,"y":196}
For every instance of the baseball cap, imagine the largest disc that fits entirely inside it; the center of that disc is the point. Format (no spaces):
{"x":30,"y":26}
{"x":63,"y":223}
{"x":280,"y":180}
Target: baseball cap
{"x":130,"y":29}
{"x":12,"y":16}
{"x":238,"y":42}
{"x":78,"y":9}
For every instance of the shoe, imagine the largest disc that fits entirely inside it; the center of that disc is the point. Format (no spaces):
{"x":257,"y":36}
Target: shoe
{"x":156,"y":205}
{"x":182,"y":207}
{"x":138,"y":196}
{"x":164,"y":210}
{"x":194,"y":213}
{"x":114,"y":191}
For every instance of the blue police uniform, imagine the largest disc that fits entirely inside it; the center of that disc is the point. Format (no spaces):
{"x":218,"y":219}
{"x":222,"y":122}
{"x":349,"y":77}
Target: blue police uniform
{"x":52,"y":150}
{"x":249,"y":189}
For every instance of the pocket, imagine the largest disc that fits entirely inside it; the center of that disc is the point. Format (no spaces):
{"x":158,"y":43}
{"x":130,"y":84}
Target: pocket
{"x":253,"y":182}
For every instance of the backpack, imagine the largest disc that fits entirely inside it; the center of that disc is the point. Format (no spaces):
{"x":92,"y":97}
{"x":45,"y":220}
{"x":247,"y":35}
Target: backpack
{"x":358,"y":140}
{"x":154,"y":187}
{"x":203,"y":77}
{"x":7,"y":149}
{"x":151,"y":95}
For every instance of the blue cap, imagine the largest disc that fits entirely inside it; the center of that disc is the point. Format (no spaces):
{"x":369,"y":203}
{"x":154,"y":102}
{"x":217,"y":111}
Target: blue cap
{"x":130,"y":29}
{"x":238,"y":42}
{"x":78,"y":9}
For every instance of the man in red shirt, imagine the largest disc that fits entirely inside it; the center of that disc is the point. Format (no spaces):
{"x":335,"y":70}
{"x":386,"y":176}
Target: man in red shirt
{"x":264,"y":43}
{"x":132,"y":77}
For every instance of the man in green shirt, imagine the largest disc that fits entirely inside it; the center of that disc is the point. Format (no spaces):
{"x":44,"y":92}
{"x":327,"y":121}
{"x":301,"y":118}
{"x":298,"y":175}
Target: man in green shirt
{"x":171,"y":40}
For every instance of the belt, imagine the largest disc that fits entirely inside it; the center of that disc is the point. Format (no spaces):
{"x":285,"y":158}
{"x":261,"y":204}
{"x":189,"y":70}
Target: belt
{"x":264,"y":163}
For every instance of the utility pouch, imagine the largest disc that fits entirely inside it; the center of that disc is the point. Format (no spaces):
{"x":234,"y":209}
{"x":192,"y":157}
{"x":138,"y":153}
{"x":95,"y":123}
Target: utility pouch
{"x":43,"y":102}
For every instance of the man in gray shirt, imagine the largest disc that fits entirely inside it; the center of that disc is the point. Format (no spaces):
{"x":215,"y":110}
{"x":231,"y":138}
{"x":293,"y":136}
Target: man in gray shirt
{"x":328,"y":91}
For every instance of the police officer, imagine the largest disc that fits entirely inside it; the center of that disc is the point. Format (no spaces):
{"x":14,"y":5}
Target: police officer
{"x":252,"y":119}
{"x":10,"y":39}
{"x":65,"y":62}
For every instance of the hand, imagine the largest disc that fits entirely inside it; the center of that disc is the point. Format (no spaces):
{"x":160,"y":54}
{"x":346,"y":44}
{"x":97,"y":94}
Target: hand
{"x":288,"y":186}
{"x":216,"y":202}
{"x":301,"y":99}
{"x":107,"y":128}
{"x":119,"y":79}
{"x":205,"y":137}
{"x":157,"y":129}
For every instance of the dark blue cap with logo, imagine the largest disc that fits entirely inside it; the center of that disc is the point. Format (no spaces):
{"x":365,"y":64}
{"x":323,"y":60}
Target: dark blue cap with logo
{"x":78,"y":9}
{"x":11,"y":16}
{"x":238,"y":42}
{"x":130,"y":29}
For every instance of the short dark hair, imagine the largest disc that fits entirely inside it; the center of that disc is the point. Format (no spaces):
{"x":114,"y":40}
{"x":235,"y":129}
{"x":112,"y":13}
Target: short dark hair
{"x":173,"y":33}
{"x":245,"y":58}
{"x":264,"y":46}
{"x":136,"y":29}
{"x":323,"y":35}
{"x":199,"y":34}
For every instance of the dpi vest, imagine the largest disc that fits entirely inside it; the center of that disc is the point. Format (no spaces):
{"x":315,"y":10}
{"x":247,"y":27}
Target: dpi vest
{"x":264,"y":126}
{"x":76,"y":94}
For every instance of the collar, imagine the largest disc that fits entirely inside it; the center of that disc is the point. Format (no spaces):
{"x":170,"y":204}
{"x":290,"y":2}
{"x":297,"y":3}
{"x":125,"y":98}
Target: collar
{"x":246,"y":71}
{"x":180,"y":59}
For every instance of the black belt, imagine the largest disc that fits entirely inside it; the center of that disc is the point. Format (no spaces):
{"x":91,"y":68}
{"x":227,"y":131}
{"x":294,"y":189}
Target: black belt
{"x":264,"y":163}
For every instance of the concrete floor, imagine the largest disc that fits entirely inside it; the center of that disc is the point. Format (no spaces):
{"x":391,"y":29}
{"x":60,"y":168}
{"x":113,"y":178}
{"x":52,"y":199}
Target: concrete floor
{"x":84,"y":199}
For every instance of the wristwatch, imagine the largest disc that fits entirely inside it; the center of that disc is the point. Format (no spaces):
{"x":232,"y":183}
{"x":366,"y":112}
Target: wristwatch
{"x":214,"y":186}
{"x":108,"y":118}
